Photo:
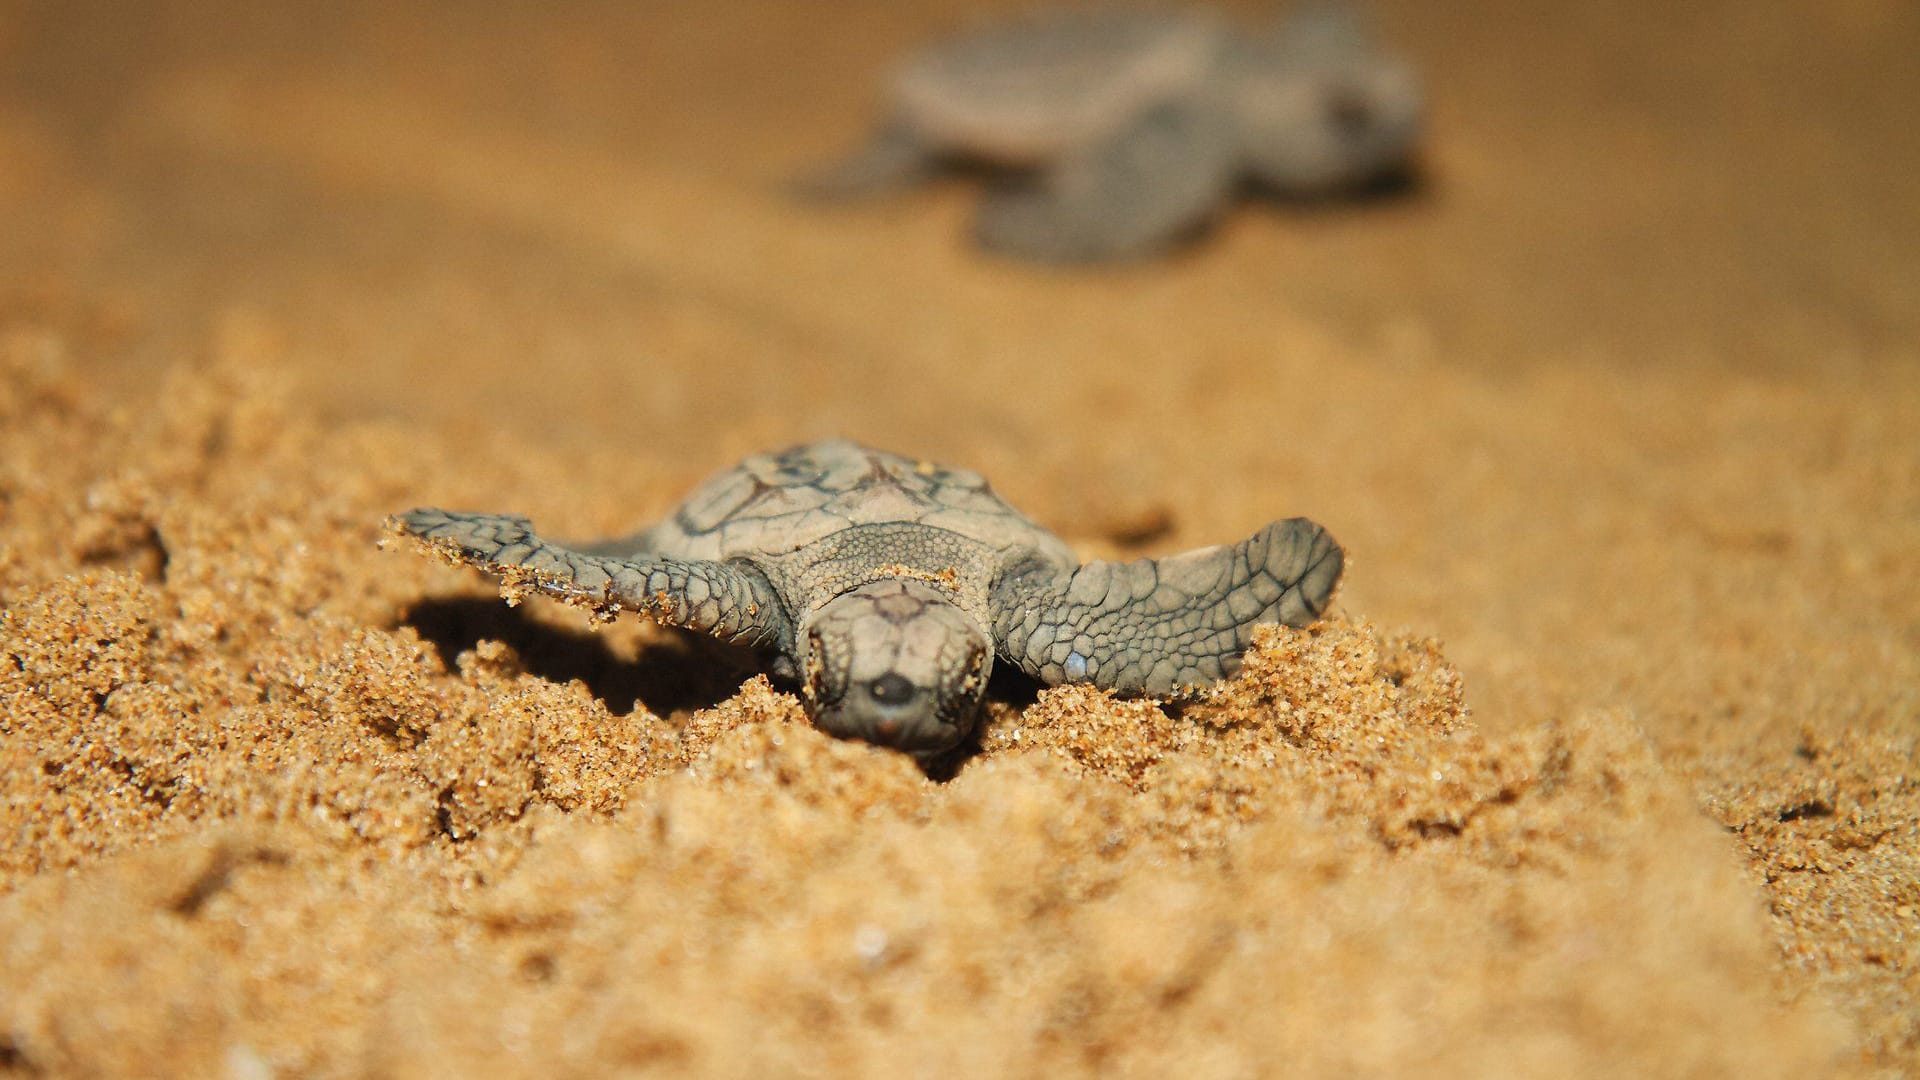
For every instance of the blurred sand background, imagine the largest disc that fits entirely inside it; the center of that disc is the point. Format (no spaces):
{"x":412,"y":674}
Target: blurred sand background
{"x":1618,"y":418}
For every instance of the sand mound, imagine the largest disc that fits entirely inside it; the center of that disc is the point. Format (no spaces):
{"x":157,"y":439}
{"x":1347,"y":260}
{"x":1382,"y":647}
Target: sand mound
{"x":283,"y":803}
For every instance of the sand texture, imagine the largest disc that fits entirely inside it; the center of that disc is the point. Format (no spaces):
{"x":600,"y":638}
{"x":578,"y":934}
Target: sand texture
{"x":1607,"y":762}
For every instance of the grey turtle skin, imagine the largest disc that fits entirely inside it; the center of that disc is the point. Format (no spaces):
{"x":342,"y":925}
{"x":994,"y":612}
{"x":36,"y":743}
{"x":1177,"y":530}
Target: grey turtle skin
{"x":1115,"y":132}
{"x":888,"y":586}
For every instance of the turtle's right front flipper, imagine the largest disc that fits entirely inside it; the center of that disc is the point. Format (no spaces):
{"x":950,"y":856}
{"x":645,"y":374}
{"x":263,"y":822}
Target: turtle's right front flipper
{"x":1160,"y":626}
{"x":728,"y":600}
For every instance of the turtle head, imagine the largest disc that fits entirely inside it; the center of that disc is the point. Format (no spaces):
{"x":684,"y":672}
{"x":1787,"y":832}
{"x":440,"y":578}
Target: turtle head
{"x":1319,"y":106}
{"x":896,"y":662}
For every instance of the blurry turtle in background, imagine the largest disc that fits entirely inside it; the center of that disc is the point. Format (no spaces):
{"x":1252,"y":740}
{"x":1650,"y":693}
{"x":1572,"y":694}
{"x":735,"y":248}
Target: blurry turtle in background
{"x":1115,"y":133}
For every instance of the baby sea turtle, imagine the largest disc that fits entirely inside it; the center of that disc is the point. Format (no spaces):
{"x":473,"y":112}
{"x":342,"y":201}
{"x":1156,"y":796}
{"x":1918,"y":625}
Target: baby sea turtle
{"x":1117,"y":131}
{"x":887,"y":586}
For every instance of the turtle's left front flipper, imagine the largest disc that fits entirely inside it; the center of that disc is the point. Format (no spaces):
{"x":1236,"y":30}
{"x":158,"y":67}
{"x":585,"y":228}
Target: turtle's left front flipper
{"x":728,"y":600}
{"x":1156,"y":626}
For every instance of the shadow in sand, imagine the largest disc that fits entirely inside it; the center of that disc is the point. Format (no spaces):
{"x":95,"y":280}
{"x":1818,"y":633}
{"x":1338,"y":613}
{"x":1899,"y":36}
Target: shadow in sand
{"x":678,"y":672}
{"x":1010,"y":686}
{"x":1009,"y":693}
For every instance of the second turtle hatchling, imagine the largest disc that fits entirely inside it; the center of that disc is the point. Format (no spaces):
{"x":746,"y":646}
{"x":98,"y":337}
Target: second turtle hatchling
{"x":888,"y":587}
{"x":1112,"y":132}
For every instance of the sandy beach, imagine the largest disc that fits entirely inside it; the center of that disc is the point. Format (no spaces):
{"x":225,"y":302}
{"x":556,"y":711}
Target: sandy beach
{"x":1606,"y":762}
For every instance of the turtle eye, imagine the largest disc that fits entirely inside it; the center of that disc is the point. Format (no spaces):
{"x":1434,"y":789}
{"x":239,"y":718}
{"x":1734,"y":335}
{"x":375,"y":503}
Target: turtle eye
{"x":822,"y":685}
{"x":964,"y":693}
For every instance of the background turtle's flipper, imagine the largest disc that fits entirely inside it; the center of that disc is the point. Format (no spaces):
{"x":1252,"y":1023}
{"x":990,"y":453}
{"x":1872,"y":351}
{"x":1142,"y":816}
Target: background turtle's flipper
{"x":1137,"y":192}
{"x":1155,"y":626}
{"x":728,"y":600}
{"x":893,"y":158}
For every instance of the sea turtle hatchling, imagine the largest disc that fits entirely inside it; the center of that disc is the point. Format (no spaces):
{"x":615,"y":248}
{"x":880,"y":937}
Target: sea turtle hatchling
{"x":1115,"y":131}
{"x":887,"y":586}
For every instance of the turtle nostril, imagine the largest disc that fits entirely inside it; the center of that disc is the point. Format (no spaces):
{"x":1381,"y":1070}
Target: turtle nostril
{"x":891,"y":689}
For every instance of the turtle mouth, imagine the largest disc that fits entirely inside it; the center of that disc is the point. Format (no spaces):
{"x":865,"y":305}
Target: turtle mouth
{"x":891,"y":711}
{"x":916,"y":731}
